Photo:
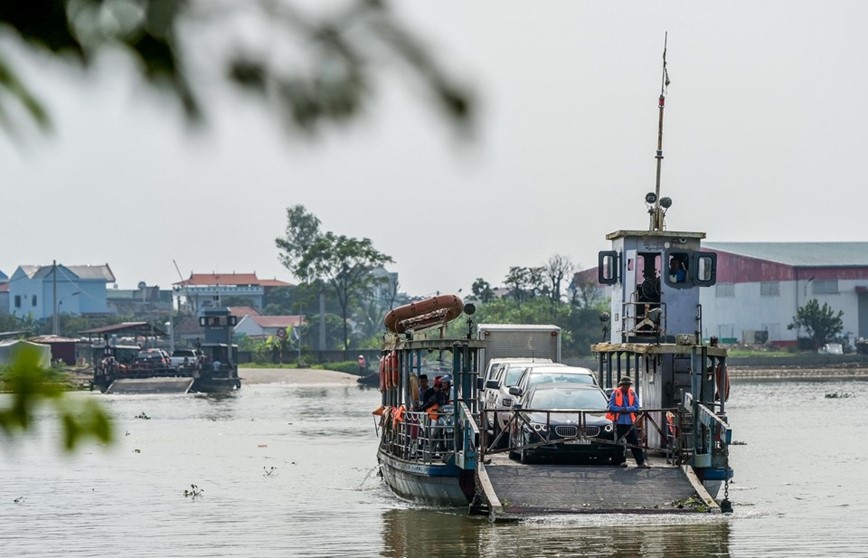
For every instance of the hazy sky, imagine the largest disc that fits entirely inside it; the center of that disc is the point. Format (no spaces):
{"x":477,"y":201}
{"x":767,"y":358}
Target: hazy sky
{"x":765,"y":140}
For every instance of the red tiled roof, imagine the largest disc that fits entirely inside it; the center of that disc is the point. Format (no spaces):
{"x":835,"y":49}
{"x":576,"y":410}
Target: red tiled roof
{"x":241,"y":311}
{"x":213,"y":279}
{"x":220,"y":279}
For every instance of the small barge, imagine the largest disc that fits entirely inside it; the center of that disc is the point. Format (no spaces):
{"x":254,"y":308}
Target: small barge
{"x":119,"y":369}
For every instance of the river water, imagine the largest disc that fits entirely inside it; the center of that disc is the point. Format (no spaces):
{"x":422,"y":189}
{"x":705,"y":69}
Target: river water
{"x":283,"y":470}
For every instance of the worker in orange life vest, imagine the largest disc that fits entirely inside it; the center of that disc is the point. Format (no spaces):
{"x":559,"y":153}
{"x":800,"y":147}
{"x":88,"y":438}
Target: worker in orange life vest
{"x":623,"y":405}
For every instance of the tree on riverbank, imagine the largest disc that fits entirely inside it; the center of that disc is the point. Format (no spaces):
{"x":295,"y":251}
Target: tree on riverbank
{"x":821,"y":323}
{"x":339,"y":262}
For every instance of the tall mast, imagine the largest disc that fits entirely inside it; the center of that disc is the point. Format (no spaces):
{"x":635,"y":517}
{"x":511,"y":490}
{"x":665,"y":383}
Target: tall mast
{"x":657,"y":215}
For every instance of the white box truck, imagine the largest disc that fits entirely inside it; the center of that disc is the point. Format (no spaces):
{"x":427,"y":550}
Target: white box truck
{"x":517,"y":340}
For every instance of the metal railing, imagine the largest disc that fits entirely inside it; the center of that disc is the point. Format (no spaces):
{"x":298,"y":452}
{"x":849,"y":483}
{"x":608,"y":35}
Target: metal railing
{"x":419,"y":437}
{"x":646,"y":419}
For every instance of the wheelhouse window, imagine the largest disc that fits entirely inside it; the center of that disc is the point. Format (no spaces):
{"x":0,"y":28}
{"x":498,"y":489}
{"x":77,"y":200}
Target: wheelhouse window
{"x":677,"y":270}
{"x":607,"y":267}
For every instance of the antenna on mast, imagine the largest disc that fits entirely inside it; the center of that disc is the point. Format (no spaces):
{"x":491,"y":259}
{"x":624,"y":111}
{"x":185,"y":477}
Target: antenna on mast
{"x":657,"y":213}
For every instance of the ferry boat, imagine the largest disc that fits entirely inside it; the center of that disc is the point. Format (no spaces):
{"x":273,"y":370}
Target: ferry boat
{"x":428,"y":456}
{"x":652,"y":333}
{"x":215,"y":371}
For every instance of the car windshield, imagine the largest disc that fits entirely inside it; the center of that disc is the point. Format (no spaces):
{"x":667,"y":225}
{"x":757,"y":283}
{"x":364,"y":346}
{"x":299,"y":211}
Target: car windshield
{"x":513,"y":373}
{"x":560,"y":378}
{"x":591,"y":399}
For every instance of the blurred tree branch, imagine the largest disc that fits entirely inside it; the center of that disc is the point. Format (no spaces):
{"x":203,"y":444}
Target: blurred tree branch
{"x":311,"y":70}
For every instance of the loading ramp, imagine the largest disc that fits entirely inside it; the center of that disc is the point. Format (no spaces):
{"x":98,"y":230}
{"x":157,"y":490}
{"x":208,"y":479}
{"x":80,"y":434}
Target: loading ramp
{"x":151,"y":385}
{"x":514,"y":489}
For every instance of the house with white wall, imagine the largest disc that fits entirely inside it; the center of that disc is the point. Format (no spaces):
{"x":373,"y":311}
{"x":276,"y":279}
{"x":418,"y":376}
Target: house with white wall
{"x":36,"y":290}
{"x":208,"y":290}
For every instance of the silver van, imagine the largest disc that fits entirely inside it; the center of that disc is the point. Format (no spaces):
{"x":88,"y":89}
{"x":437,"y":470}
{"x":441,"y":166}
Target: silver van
{"x":496,"y":396}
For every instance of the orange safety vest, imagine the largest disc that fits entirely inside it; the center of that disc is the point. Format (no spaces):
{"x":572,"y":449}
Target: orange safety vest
{"x":432,"y":411}
{"x":619,"y":401}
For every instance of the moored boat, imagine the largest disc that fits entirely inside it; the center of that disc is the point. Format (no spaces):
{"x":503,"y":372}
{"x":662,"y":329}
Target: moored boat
{"x":215,"y":371}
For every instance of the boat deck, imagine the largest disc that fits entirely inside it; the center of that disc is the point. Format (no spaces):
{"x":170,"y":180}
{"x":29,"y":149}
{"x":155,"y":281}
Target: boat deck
{"x":522,"y":490}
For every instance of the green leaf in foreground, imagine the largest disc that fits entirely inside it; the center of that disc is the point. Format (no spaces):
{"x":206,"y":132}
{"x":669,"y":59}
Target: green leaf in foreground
{"x":30,"y":386}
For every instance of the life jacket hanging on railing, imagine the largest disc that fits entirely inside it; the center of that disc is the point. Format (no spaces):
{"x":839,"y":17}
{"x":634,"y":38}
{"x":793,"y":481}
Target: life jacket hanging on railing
{"x":671,"y":427}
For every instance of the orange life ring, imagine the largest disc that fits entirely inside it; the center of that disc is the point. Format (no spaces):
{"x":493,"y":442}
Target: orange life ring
{"x":382,"y":374}
{"x":424,"y":313}
{"x":722,"y":379}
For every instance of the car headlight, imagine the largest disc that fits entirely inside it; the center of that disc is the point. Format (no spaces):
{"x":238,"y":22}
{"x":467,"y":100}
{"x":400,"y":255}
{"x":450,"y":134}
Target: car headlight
{"x":607,"y":429}
{"x":540,"y":427}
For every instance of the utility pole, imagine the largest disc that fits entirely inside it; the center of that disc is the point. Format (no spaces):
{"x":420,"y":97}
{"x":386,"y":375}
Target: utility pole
{"x":54,"y":324}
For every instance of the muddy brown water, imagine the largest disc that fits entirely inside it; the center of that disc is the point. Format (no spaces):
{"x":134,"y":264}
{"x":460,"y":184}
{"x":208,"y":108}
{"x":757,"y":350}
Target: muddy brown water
{"x":290,"y":470}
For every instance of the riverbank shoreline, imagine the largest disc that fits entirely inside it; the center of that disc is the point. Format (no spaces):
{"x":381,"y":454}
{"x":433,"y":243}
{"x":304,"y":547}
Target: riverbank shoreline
{"x":797,"y":373}
{"x":296,"y":376}
{"x":81,"y":378}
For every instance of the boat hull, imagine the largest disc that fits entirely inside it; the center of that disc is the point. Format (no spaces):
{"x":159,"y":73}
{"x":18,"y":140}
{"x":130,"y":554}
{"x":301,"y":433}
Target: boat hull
{"x":201,"y":384}
{"x":433,"y":484}
{"x":215,"y":385}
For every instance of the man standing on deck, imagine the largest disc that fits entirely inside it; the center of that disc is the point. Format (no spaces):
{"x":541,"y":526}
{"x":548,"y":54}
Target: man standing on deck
{"x":423,"y":388}
{"x":623,"y":405}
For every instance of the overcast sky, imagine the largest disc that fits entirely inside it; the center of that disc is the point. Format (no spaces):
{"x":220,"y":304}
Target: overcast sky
{"x":765,"y":139}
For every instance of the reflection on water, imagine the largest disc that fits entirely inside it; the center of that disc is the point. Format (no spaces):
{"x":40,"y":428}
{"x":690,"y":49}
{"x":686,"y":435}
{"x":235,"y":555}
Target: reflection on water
{"x":291,"y":471}
{"x":424,"y":533}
